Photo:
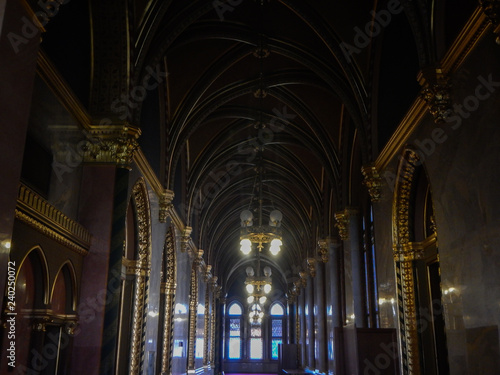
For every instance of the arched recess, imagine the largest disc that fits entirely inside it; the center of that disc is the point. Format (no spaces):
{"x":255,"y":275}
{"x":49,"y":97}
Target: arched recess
{"x":60,"y":330}
{"x":167,"y":302}
{"x":31,"y":294}
{"x":135,"y":282}
{"x":421,"y":320}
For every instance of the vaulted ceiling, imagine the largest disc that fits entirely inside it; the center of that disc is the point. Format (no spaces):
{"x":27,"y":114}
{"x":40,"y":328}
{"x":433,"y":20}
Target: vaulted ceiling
{"x":292,"y":87}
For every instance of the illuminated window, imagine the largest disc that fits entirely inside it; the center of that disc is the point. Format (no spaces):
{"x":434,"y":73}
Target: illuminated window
{"x":235,"y":309}
{"x":199,"y":348}
{"x":277,"y":324}
{"x":256,"y":349}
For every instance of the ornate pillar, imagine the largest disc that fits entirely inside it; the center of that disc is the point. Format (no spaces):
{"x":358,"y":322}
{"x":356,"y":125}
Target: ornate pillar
{"x":165,"y":205}
{"x":142,"y":269}
{"x":193,"y":310}
{"x":168,"y":288}
{"x":206,"y":332}
{"x":320,"y":308}
{"x":405,"y":252}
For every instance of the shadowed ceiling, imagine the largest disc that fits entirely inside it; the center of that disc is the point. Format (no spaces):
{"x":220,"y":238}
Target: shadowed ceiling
{"x":272,"y":86}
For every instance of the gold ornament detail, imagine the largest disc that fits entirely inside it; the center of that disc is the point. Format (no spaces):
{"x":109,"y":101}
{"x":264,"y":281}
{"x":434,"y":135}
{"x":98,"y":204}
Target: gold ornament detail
{"x":193,"y":304}
{"x":372,"y":181}
{"x":35,"y":211}
{"x":186,"y":237}
{"x":436,"y":93}
{"x":405,"y":253}
{"x":342,"y":224}
{"x":491,"y":9}
{"x":140,"y":198}
{"x":311,"y":266}
{"x":165,"y":205}
{"x":169,"y":287}
{"x":112,"y":145}
{"x":323,"y":250}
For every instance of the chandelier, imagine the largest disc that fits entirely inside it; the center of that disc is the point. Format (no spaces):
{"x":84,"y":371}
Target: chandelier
{"x":257,"y":287}
{"x":260,"y":234}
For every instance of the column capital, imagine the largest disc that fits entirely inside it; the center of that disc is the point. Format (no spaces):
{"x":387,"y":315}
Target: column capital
{"x":165,"y":205}
{"x":436,"y":92}
{"x":372,"y":181}
{"x":323,"y":250}
{"x":208,"y":274}
{"x":185,"y":238}
{"x":311,"y":266}
{"x":111,"y":144}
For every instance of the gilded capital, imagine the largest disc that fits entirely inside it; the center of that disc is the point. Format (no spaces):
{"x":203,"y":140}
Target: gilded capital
{"x":372,"y":181}
{"x":165,"y":205}
{"x":436,"y":91}
{"x":186,"y":237}
{"x":323,"y":250}
{"x":303,"y":279}
{"x":208,"y":274}
{"x":311,"y":266}
{"x":111,"y":145}
{"x":342,"y":224}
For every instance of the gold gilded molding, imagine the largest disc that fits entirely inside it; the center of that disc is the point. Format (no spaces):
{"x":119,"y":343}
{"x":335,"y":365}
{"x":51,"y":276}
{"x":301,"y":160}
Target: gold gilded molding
{"x":115,"y":145}
{"x":35,"y":211}
{"x":372,"y":181}
{"x":193,"y":305}
{"x":405,"y":252}
{"x":458,"y":52}
{"x":141,"y":201}
{"x":491,"y":9}
{"x":169,"y":288}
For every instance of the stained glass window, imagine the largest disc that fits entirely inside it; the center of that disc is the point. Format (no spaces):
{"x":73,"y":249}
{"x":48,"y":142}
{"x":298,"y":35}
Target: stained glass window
{"x":277,"y":328}
{"x":234,"y":327}
{"x":256,"y":349}
{"x":274,"y":348}
{"x":234,"y":348}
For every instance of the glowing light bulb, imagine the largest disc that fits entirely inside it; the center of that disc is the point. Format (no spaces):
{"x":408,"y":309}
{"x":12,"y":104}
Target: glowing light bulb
{"x":249,"y":288}
{"x":267,"y":288}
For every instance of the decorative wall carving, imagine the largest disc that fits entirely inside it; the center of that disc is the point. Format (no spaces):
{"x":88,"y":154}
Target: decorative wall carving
{"x":165,"y":205}
{"x":436,"y":92}
{"x":169,"y":278}
{"x":141,"y":202}
{"x":372,"y":181}
{"x":342,"y":224}
{"x":404,"y":255}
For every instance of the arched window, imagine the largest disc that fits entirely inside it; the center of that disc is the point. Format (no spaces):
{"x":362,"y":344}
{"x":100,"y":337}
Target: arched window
{"x":235,"y":326}
{"x":277,"y":313}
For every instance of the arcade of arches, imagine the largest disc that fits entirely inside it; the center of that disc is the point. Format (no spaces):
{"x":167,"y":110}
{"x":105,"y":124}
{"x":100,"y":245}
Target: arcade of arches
{"x":141,"y":140}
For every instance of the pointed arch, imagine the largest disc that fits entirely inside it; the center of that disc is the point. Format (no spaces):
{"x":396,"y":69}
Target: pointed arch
{"x":68,"y":274}
{"x":37,"y":259}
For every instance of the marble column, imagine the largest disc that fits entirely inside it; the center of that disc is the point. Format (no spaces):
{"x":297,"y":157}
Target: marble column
{"x":334,"y":297}
{"x":19,"y":43}
{"x":302,"y":319}
{"x":320,"y":317}
{"x":357,"y":268}
{"x":309,"y":313}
